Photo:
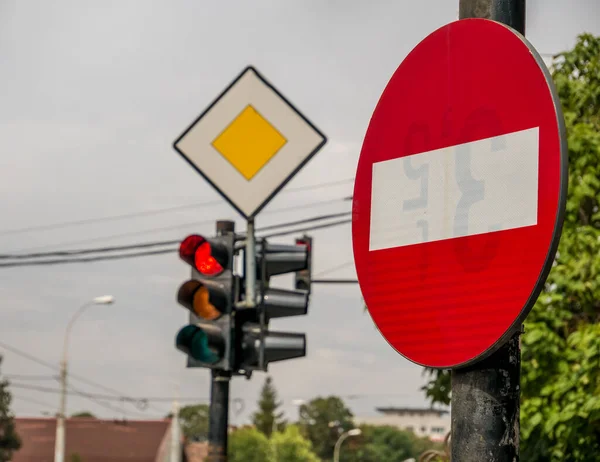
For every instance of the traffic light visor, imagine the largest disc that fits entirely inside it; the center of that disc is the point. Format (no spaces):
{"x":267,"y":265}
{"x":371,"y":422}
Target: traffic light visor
{"x":198,"y":252}
{"x":196,"y":297}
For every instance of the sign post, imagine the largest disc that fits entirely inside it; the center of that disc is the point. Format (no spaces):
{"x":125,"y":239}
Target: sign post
{"x":458,"y":207}
{"x":247,"y":144}
{"x":486,"y":397}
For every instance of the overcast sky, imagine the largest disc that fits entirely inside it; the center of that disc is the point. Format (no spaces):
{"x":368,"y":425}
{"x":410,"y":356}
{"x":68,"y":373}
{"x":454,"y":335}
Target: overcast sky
{"x":92,"y":95}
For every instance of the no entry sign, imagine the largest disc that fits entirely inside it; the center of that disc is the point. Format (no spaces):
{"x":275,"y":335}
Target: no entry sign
{"x":459,"y":194}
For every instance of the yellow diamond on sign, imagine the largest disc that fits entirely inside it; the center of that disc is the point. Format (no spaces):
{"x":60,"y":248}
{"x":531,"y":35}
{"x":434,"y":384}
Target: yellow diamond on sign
{"x":249,"y":142}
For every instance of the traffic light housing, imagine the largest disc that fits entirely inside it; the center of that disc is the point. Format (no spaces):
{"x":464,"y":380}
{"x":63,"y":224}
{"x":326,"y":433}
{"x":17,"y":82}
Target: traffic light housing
{"x":256,"y":345}
{"x":209,"y":296}
{"x":303,"y":278}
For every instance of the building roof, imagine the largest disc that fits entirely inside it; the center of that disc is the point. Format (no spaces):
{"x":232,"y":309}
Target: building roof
{"x":411,"y":410}
{"x":94,"y":440}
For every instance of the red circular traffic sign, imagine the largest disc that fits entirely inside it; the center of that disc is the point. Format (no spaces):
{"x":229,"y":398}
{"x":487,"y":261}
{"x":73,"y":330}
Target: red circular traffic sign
{"x":459,"y":194}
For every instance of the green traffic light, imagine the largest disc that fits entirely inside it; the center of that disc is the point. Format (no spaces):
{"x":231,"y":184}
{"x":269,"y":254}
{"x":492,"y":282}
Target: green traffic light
{"x":193,"y":341}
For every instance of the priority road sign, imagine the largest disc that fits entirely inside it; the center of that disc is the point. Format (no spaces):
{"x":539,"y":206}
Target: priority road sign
{"x":460,"y":194}
{"x":249,"y":142}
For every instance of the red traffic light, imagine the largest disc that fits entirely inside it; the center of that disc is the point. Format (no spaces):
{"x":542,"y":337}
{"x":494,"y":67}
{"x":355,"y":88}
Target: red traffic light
{"x":198,"y":252}
{"x":304,"y":241}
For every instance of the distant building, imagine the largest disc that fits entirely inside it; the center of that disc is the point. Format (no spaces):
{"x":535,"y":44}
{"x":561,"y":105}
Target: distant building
{"x":95,"y":440}
{"x":431,"y":423}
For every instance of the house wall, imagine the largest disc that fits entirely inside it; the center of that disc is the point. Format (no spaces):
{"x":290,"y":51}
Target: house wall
{"x":429,"y":425}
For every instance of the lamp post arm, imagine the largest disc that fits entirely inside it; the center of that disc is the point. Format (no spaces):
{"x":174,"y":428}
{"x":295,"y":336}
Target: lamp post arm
{"x":74,"y":318}
{"x":338,"y":444}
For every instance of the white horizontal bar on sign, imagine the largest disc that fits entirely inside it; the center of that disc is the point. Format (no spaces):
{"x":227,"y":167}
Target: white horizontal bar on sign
{"x":473,"y":188}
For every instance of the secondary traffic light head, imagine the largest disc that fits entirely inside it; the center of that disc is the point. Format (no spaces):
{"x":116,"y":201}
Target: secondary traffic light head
{"x":256,"y":345}
{"x":303,"y":277}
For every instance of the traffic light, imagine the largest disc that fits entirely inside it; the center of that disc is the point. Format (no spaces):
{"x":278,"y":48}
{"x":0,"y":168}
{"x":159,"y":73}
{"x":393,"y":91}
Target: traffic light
{"x":256,"y":345}
{"x":209,"y":296}
{"x":303,"y":278}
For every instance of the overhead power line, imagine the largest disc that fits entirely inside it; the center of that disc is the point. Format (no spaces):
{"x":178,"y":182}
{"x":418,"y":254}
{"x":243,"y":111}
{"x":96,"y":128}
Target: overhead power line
{"x":121,"y":256}
{"x":97,"y":396}
{"x":309,"y":228}
{"x":143,"y":245}
{"x":145,"y":213}
{"x":60,"y":261}
{"x":178,"y":226}
{"x":335,"y":268}
{"x":32,"y":401}
{"x":23,"y":354}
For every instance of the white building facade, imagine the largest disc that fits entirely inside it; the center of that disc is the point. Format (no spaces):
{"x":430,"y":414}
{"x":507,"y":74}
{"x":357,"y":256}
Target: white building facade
{"x":423,"y":422}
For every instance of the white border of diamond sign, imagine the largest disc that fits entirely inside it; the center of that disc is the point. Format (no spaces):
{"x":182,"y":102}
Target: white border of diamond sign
{"x":303,"y":141}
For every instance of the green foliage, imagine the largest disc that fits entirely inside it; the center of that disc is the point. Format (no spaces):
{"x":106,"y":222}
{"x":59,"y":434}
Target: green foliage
{"x":291,"y":446}
{"x":83,"y":414}
{"x":384,"y":444}
{"x":194,"y":422}
{"x":437,"y":389}
{"x":560,"y":399}
{"x":9,"y":439}
{"x":266,"y":419}
{"x":75,"y":457}
{"x":249,"y":445}
{"x":315,"y":419}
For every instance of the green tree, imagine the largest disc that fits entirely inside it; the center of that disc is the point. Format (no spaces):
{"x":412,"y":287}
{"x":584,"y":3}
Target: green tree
{"x":322,"y":420}
{"x":9,"y":439}
{"x":291,"y":446}
{"x":385,"y":444}
{"x":194,"y":422}
{"x":267,"y":419}
{"x":249,"y":445}
{"x":560,"y":398}
{"x":83,"y":414}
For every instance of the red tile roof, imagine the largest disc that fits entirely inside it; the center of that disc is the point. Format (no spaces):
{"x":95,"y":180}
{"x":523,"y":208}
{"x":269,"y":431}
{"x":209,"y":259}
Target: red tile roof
{"x":94,"y":440}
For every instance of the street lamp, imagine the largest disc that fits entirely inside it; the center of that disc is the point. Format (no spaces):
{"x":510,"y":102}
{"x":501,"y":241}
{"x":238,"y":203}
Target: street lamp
{"x":338,"y":444}
{"x":59,"y":445}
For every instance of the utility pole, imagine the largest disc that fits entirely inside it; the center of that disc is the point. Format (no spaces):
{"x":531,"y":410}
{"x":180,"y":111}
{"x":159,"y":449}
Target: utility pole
{"x":175,"y":455}
{"x":219,"y":394}
{"x":485,"y":396}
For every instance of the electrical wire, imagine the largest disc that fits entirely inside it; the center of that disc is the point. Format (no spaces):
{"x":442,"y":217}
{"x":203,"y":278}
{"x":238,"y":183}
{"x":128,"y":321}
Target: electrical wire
{"x":109,"y":407}
{"x":97,"y":396}
{"x":66,"y":253}
{"x":87,"y":221}
{"x":335,"y":268}
{"x":29,"y":377}
{"x":179,"y":226}
{"x":32,"y":401}
{"x":139,"y":404}
{"x":61,"y":261}
{"x":310,"y":228}
{"x":155,"y":244}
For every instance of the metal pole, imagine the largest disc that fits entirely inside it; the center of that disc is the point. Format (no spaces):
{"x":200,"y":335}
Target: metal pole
{"x":509,"y":12}
{"x":59,"y":443}
{"x":485,"y":396}
{"x":175,"y":455}
{"x":338,"y":445}
{"x":485,"y":407}
{"x":250,"y":264}
{"x":219,"y":416}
